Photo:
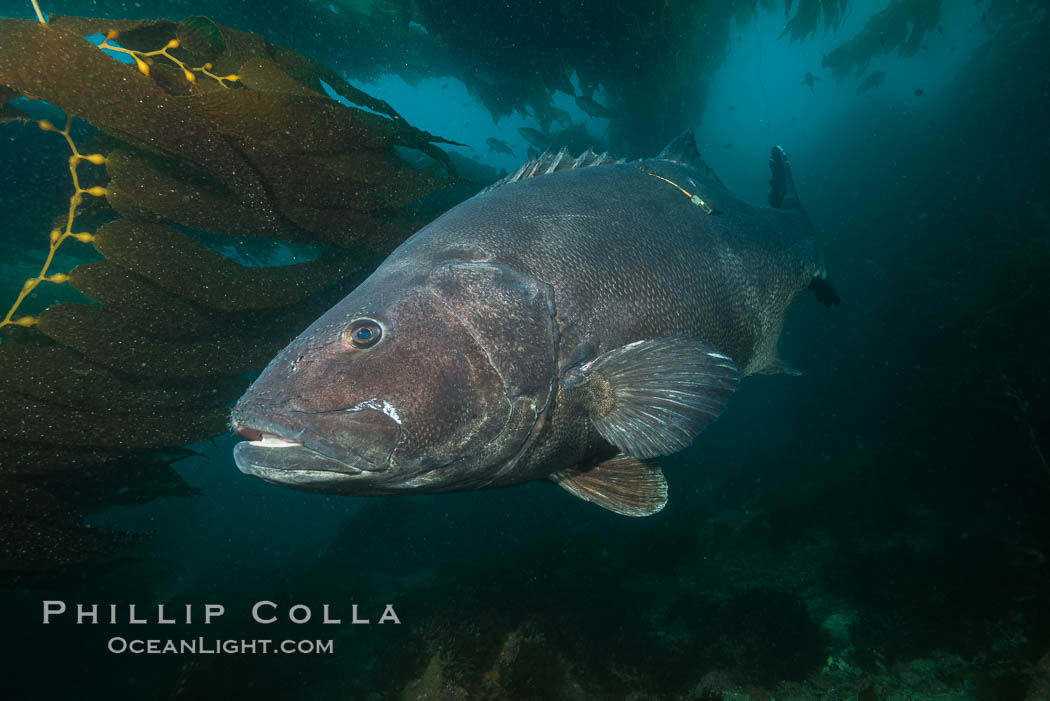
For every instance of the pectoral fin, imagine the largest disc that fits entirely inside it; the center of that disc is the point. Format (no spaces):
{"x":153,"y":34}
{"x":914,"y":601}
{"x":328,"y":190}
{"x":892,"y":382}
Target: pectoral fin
{"x":653,"y":397}
{"x":623,"y":485}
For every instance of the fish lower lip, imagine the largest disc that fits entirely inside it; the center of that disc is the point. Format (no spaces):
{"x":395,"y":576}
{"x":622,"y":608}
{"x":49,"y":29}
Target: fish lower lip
{"x":307,"y":480}
{"x":291,"y":464}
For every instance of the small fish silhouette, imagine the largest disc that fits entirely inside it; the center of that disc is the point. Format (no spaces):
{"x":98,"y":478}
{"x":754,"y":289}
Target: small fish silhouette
{"x":593,"y":108}
{"x":499,"y":146}
{"x":873,"y":81}
{"x":535,"y":137}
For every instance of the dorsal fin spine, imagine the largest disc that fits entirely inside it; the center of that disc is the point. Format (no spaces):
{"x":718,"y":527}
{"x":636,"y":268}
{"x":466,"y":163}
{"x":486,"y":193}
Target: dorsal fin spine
{"x":549,"y":162}
{"x":557,"y":159}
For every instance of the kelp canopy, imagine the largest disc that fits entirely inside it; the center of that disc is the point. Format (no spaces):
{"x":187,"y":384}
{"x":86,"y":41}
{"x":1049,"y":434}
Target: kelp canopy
{"x":652,"y":59}
{"x":214,"y":132}
{"x":901,"y":25}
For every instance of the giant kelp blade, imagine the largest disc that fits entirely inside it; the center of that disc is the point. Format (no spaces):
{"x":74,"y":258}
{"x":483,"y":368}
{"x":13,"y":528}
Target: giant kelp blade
{"x":143,"y":185}
{"x":28,"y":420}
{"x":62,"y":377}
{"x":147,"y":306}
{"x":118,"y":100}
{"x":187,"y":268}
{"x":175,"y":327}
{"x":105,"y":338}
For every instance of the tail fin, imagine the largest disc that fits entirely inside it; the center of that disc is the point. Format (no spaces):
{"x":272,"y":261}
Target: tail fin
{"x":825,"y":293}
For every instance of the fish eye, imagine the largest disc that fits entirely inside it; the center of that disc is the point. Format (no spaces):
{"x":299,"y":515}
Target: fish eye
{"x":362,"y":333}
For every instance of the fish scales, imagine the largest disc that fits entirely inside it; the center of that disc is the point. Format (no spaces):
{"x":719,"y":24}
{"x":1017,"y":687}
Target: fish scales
{"x":632,"y":258}
{"x":571,"y":324}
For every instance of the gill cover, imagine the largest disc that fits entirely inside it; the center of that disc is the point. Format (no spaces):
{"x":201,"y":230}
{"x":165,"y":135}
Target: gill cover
{"x":511,"y":318}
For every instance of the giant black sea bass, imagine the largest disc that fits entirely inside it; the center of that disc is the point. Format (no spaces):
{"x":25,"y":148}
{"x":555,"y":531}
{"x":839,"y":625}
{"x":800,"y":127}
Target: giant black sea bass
{"x":572,"y":323}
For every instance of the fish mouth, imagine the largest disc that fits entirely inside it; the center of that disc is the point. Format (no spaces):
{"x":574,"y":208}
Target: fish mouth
{"x":280,"y":453}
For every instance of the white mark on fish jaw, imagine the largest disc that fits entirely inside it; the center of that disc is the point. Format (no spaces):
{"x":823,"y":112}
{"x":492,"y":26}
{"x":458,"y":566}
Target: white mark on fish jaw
{"x":719,"y":356}
{"x":271,"y":441}
{"x":377,"y":404}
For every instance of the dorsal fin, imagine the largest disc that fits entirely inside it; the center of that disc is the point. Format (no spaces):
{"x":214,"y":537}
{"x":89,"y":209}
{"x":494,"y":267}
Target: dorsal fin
{"x":552,"y":162}
{"x":782,"y":194}
{"x":683,"y":151}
